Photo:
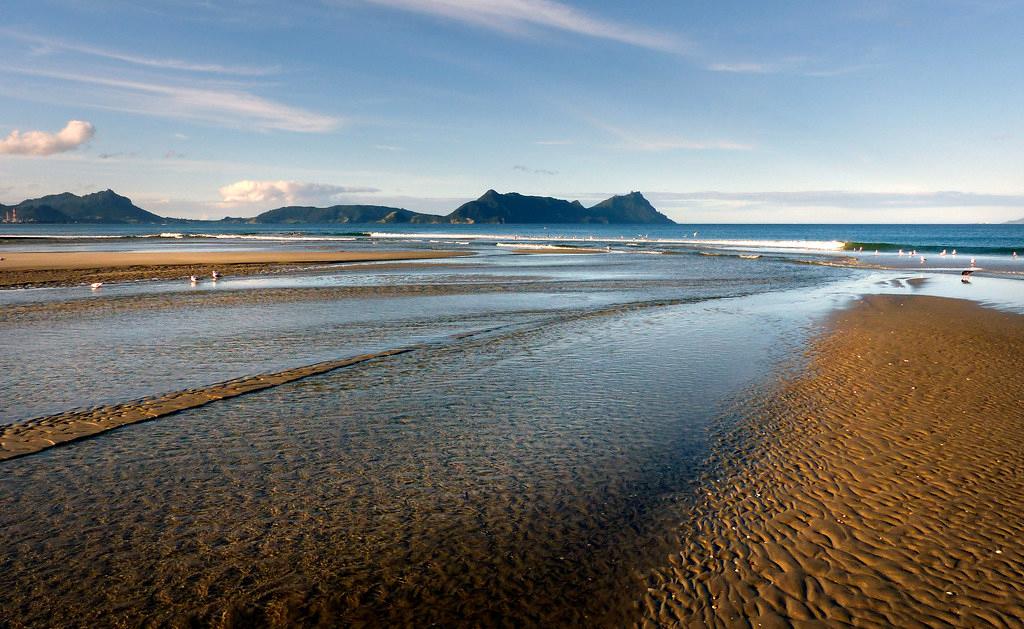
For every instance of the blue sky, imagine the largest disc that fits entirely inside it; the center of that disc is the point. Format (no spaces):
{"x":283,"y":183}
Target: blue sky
{"x":823,"y":111}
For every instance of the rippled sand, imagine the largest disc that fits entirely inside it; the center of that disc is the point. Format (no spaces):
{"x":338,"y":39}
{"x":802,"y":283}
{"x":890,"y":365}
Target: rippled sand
{"x":881,"y":487}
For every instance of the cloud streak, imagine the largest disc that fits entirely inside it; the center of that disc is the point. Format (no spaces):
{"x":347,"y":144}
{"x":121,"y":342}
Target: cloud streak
{"x":842,"y":199}
{"x":516,"y":16}
{"x":74,"y":134}
{"x":49,"y":44}
{"x":226,"y":107}
{"x":249,"y":191}
{"x":632,"y":141}
{"x":534,"y":171}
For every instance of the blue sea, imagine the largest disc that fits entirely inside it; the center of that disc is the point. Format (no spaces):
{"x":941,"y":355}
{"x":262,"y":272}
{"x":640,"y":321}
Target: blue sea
{"x":976,"y":239}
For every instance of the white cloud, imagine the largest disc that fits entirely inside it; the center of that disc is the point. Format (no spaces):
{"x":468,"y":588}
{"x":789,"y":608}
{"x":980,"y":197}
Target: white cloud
{"x":287,"y":192}
{"x":226,"y":107}
{"x":74,"y":134}
{"x":518,"y":15}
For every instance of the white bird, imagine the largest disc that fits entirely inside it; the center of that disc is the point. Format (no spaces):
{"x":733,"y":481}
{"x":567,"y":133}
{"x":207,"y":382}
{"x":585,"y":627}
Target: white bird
{"x":216,"y":275}
{"x":954,"y":252}
{"x":193,"y":279}
{"x":972,"y":261}
{"x":943,"y":253}
{"x":922,"y":259}
{"x":901,"y":252}
{"x":95,"y":285}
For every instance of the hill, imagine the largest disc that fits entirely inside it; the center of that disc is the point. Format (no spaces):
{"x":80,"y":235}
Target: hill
{"x":628,"y":208}
{"x":99,"y":207}
{"x":491,"y":207}
{"x":341,"y":214}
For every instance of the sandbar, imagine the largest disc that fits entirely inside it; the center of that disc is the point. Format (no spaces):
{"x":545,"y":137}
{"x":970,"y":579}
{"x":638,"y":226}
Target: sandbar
{"x":75,"y":267}
{"x":878,"y":485}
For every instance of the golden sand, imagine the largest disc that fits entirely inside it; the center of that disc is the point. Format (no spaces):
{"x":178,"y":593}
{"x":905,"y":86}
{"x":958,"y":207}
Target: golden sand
{"x":75,"y":267}
{"x":882,"y":487}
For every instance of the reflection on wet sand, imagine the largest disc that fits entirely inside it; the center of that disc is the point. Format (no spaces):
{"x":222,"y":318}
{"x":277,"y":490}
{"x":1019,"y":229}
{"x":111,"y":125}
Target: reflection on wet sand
{"x":530,"y":478}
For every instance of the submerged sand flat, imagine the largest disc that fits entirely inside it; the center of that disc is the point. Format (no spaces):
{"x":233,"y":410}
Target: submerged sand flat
{"x":46,"y":432}
{"x":75,"y":267}
{"x":882,"y":487}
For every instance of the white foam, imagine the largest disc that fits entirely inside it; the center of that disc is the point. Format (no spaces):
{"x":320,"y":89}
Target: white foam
{"x":805,"y":245}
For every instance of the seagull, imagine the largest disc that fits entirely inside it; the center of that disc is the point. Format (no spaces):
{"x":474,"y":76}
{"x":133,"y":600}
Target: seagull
{"x":901,"y":252}
{"x":954,"y":252}
{"x":95,"y":285}
{"x":972,"y":261}
{"x":216,"y":276}
{"x":922,"y":259}
{"x":965,"y":275}
{"x":193,"y":279}
{"x":943,"y":253}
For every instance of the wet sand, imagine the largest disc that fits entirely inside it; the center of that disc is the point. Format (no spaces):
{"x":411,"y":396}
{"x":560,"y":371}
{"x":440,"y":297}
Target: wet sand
{"x":20,"y":269}
{"x":39,"y":434}
{"x":880,"y":486}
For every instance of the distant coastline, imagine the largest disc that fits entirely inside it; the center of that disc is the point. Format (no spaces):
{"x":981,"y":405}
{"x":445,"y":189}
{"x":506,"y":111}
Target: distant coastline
{"x":491,"y":208}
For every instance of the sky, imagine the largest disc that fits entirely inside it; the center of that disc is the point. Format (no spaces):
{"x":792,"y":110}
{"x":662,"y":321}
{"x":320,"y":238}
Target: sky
{"x":871,"y":111}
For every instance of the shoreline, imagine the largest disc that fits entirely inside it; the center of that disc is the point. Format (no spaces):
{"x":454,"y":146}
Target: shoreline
{"x":70,"y":268}
{"x":878,"y":485}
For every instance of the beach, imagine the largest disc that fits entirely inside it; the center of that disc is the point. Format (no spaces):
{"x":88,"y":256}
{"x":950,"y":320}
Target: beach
{"x":63,"y":268}
{"x":539,"y":440}
{"x":877,"y":485}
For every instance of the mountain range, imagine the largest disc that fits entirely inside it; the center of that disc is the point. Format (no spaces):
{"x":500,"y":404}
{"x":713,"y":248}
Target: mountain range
{"x":492,"y":207}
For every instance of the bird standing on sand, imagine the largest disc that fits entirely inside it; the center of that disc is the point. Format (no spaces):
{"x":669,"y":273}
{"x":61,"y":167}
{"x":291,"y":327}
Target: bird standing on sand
{"x":216,"y":276}
{"x":193,"y":279}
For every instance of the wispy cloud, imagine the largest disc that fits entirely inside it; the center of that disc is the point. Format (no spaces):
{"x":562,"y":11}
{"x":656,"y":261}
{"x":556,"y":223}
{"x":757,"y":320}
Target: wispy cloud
{"x":743,"y":67}
{"x":518,"y":16}
{"x":554,"y":142}
{"x":250,"y":191}
{"x":47,"y":44}
{"x":223,"y":106}
{"x":842,"y":199}
{"x":633,"y":141}
{"x":74,"y":134}
{"x":534,"y":171}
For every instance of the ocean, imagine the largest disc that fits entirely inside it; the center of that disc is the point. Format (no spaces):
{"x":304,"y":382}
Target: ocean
{"x":976,"y":239}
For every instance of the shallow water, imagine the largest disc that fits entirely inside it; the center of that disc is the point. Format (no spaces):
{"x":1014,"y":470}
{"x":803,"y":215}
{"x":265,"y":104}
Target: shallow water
{"x":524,"y":478}
{"x":532,"y":475}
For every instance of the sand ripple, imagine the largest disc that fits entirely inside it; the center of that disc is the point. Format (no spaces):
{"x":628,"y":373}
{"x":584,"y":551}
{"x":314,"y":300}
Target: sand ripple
{"x":880,"y":488}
